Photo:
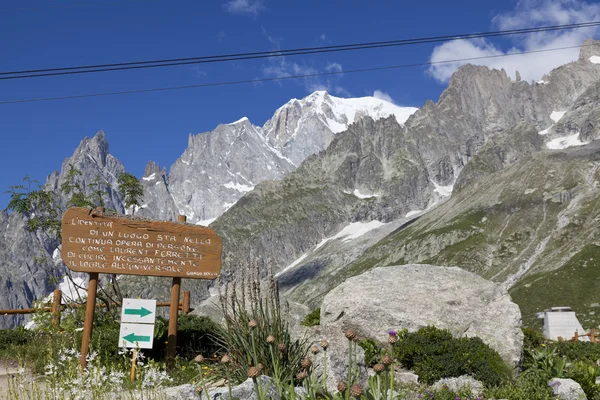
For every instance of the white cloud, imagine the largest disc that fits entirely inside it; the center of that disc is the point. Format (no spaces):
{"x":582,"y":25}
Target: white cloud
{"x":527,"y":13}
{"x":333,"y":67}
{"x":252,"y":7}
{"x":378,"y":94}
{"x":280,"y":67}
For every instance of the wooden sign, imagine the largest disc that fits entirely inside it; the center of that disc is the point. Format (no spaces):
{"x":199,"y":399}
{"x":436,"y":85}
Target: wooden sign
{"x":109,"y":244}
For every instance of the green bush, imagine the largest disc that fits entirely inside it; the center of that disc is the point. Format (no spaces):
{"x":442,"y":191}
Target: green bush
{"x":372,"y":351}
{"x":9,"y":338}
{"x":579,"y":351}
{"x":585,"y":374}
{"x":195,"y":335}
{"x":522,"y":389}
{"x":532,"y":338}
{"x":313,"y":318}
{"x":434,"y":354}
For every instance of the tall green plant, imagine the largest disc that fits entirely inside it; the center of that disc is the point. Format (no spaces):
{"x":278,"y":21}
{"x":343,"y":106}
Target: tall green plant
{"x":256,"y":335}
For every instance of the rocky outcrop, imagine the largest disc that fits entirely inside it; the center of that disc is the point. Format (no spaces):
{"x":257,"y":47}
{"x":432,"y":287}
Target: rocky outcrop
{"x":414,"y":296}
{"x":567,"y":389}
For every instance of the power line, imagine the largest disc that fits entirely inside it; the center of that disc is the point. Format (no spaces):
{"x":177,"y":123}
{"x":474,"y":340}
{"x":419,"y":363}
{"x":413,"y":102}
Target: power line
{"x":85,"y":69}
{"x":239,"y":82}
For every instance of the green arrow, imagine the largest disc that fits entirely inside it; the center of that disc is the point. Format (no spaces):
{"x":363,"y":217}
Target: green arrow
{"x":132,"y":337}
{"x":142,"y":312}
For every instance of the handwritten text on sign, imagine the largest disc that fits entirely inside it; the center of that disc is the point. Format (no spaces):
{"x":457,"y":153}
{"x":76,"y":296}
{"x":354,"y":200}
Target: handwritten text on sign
{"x":120,"y":245}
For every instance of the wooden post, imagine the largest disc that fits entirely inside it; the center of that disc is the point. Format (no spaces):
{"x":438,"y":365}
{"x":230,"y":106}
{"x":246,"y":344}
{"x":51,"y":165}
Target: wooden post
{"x":576,"y":338}
{"x":133,"y":361}
{"x":185,"y":302}
{"x":592,"y":336}
{"x":89,"y":319}
{"x":56,"y":302}
{"x":173,"y":314}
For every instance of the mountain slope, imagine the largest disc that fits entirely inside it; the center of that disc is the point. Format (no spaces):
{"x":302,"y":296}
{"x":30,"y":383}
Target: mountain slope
{"x":530,"y":220}
{"x":381,"y":171}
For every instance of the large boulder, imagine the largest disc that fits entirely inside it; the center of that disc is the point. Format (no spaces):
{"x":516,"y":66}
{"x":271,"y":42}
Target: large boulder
{"x":414,"y":296}
{"x":567,"y":389}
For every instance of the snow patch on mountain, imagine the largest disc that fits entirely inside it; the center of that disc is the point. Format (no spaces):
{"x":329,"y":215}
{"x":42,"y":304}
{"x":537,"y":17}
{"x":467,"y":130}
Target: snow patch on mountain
{"x":565,"y":142}
{"x":353,"y":231}
{"x":149,"y":178}
{"x":239,"y":121}
{"x":557,"y":115}
{"x":238,"y":186}
{"x":338,"y":112}
{"x":413,"y":213}
{"x":595,"y":59}
{"x":360,"y":195}
{"x":292,"y":265}
{"x":206,"y":222}
{"x":443,"y":190}
{"x":545,"y":131}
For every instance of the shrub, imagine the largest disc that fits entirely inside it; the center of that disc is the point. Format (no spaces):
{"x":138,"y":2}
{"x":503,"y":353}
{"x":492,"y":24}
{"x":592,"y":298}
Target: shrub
{"x":372,"y":351}
{"x":434,"y":354}
{"x":585,"y":374}
{"x":579,"y":351}
{"x":195,"y":335}
{"x":313,"y":318}
{"x":9,"y":338}
{"x":532,"y":338}
{"x":522,"y":389}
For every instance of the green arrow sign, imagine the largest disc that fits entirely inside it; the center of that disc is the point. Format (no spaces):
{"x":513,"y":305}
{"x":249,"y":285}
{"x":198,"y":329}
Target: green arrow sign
{"x":142,"y":312}
{"x":132,"y":338}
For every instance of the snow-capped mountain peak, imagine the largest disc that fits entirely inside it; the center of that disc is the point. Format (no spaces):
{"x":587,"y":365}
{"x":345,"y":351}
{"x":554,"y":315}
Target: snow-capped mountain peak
{"x":293,"y":126}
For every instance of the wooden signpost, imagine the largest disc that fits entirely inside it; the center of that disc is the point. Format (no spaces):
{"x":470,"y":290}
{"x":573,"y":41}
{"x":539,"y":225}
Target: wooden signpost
{"x":96,"y":243}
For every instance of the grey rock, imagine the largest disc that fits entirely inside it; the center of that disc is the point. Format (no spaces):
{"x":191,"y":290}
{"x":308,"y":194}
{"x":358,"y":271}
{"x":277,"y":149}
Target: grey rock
{"x":446,"y":297}
{"x":461,"y":383}
{"x":246,"y":390}
{"x":183,"y":392}
{"x":567,"y":389}
{"x":336,"y":358}
{"x":406,"y":377}
{"x":294,"y":314}
{"x":211,"y":308}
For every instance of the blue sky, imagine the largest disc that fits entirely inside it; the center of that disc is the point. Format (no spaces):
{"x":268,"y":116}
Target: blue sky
{"x":36,"y":137}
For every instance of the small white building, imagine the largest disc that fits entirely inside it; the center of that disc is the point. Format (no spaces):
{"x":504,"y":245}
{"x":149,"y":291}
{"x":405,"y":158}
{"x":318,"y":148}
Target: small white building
{"x":561,"y":321}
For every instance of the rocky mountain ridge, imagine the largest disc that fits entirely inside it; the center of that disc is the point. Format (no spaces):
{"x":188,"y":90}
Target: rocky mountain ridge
{"x":219,"y":167}
{"x":401,"y":171}
{"x":31,"y":266}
